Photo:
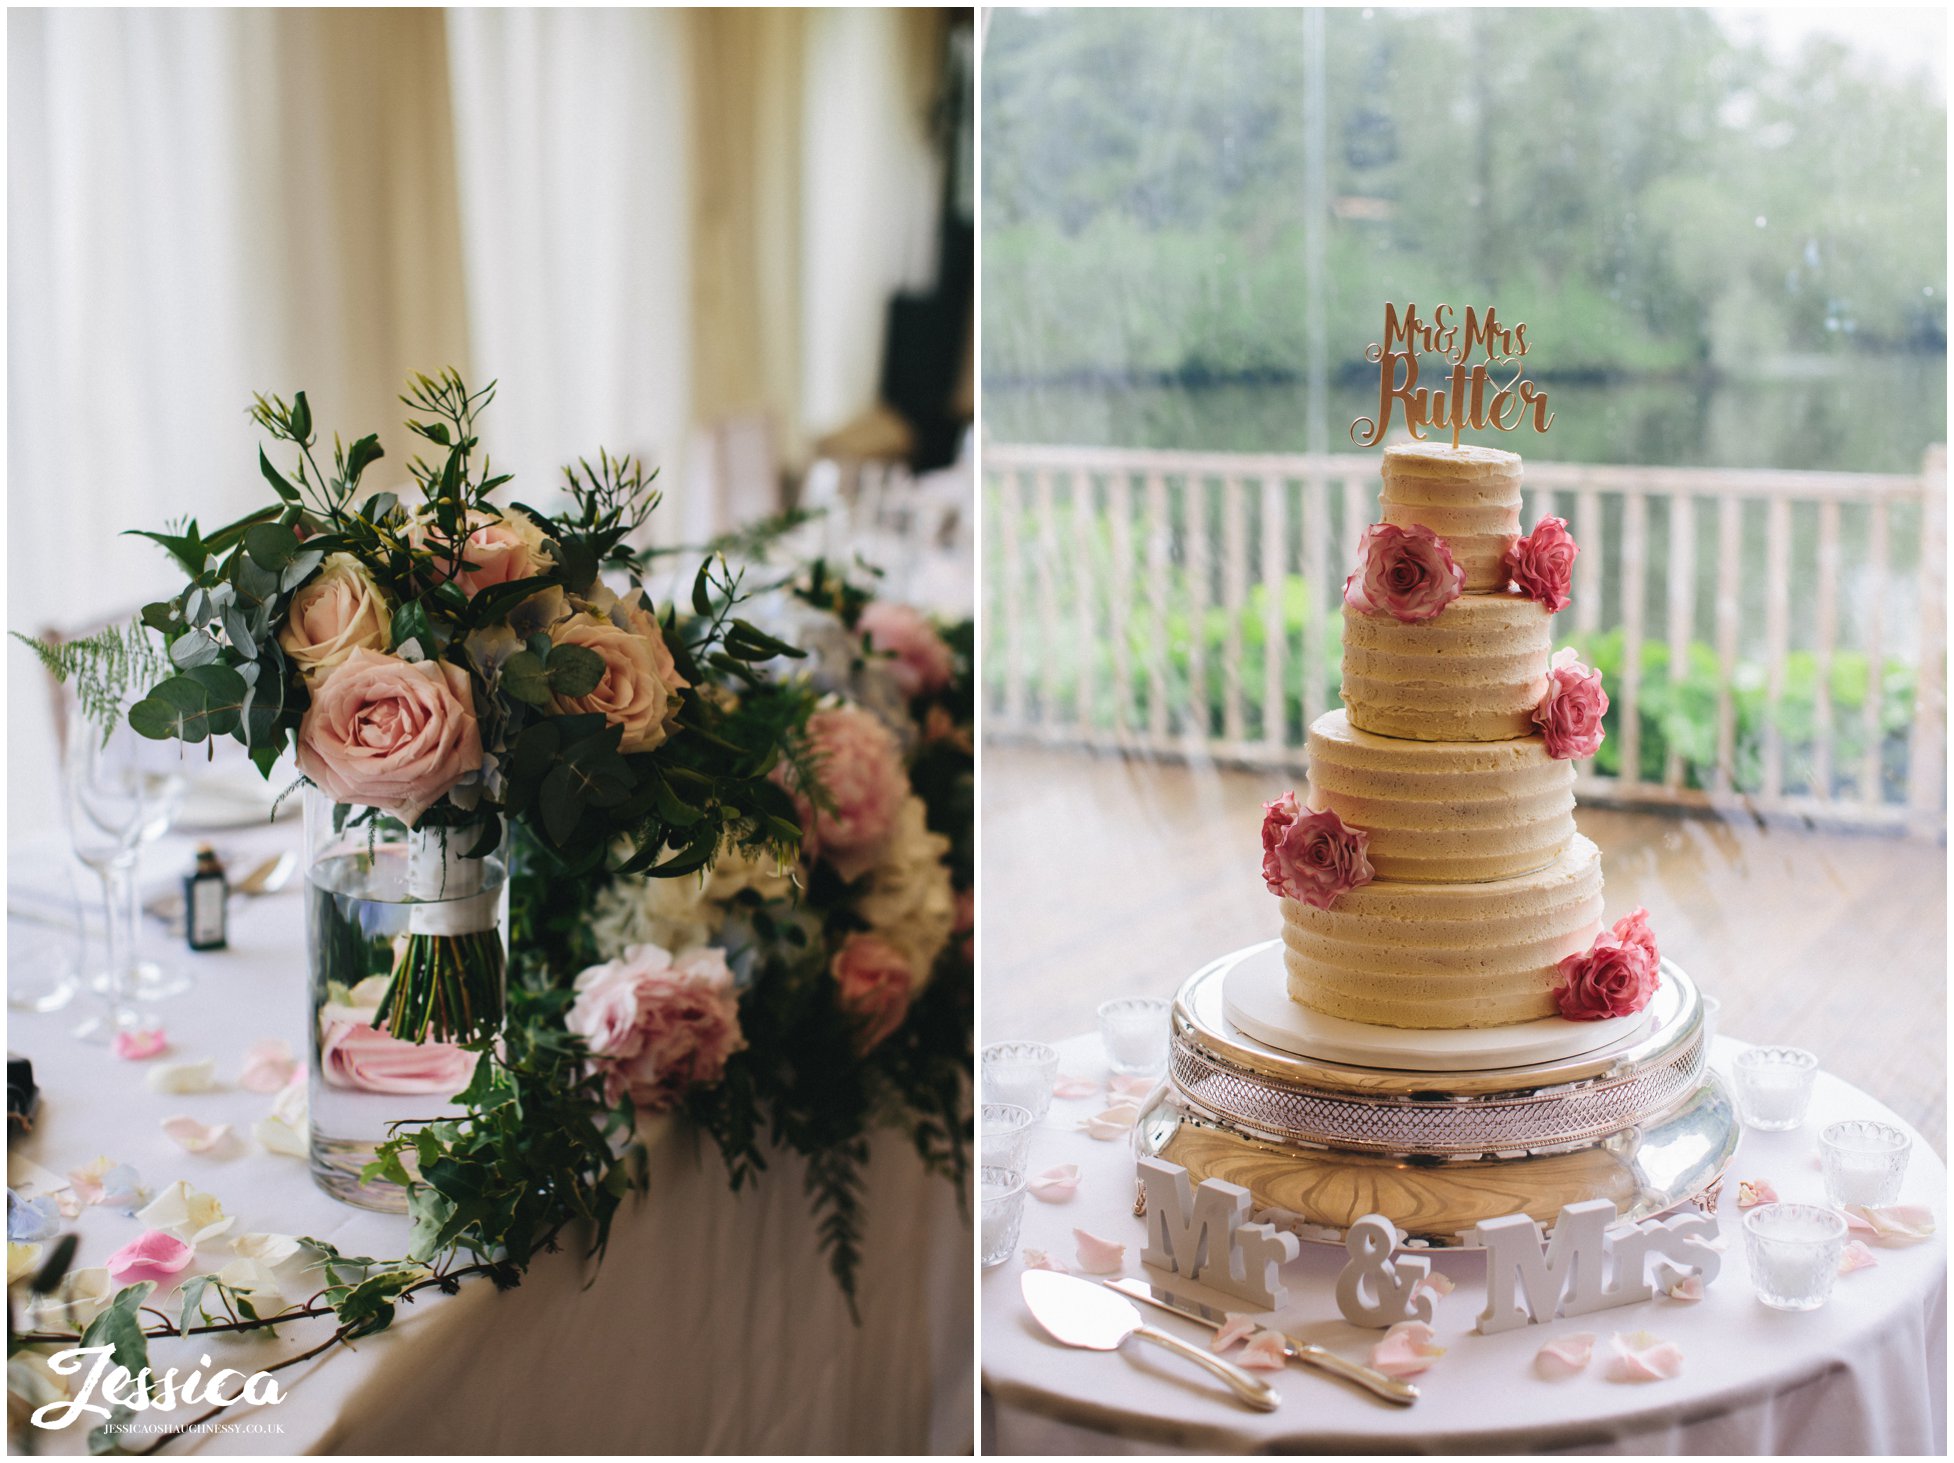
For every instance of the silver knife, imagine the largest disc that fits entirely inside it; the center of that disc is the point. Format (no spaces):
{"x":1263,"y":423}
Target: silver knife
{"x":1391,"y":1389}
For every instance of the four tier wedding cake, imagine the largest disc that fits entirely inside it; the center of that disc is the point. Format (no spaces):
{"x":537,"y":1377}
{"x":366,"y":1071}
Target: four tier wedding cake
{"x":1433,"y":877}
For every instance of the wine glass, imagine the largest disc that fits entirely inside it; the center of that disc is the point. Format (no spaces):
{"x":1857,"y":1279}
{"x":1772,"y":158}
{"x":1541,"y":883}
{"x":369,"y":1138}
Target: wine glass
{"x":121,"y":792}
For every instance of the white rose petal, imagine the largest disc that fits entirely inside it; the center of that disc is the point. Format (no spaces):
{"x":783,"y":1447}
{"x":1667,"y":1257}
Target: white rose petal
{"x":183,"y":1077}
{"x":190,"y":1214}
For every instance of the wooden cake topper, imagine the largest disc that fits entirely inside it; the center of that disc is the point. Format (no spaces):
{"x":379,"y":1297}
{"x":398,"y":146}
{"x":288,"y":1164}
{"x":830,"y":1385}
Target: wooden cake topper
{"x":1473,"y":395}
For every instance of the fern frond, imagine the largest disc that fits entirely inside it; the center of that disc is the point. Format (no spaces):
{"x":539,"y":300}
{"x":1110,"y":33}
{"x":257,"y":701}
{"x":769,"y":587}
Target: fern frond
{"x":103,"y":668}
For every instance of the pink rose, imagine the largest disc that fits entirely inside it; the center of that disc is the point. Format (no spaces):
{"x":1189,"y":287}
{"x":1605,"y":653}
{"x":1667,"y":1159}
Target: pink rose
{"x":1569,"y":715}
{"x":638,"y":690}
{"x":390,"y":734}
{"x":658,"y":1027}
{"x":355,"y":1054}
{"x":860,"y":769}
{"x":1312,"y":857}
{"x":151,"y":1255}
{"x":876,"y":981}
{"x":923,"y":661}
{"x":1633,"y":929}
{"x":339,"y":610}
{"x":1406,"y":573}
{"x":497,"y":550}
{"x":1610,"y":978}
{"x":1542,"y":564}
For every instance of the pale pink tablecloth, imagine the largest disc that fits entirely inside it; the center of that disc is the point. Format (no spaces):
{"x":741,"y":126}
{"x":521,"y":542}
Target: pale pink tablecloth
{"x":1864,"y":1375}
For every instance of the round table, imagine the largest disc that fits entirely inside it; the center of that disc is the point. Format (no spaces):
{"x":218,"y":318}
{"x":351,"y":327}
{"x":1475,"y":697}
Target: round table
{"x":1864,"y":1374}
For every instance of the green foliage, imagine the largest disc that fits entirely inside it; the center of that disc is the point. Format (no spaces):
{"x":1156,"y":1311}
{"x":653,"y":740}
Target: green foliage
{"x":103,"y":668}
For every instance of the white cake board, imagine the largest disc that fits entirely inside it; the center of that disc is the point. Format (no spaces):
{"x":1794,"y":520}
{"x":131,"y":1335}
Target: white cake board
{"x":1255,"y":997}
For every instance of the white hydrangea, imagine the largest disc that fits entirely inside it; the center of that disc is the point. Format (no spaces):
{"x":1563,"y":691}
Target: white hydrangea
{"x":910,"y":901}
{"x":685,"y":914}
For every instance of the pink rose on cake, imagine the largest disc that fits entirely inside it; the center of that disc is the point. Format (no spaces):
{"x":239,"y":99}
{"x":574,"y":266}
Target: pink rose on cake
{"x":390,"y":734}
{"x":1542,"y":564}
{"x":1406,"y":573}
{"x":860,"y":769}
{"x":494,"y":550}
{"x":923,"y":661}
{"x":875,"y":982}
{"x":656,"y":1026}
{"x":1614,"y":976}
{"x":1569,"y":715}
{"x":1311,"y":857}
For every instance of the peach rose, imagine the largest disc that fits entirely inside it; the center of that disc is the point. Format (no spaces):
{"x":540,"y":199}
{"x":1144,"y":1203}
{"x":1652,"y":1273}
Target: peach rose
{"x":860,"y":767}
{"x":657,"y":1027}
{"x":1406,"y":573}
{"x":338,"y":611}
{"x":390,"y":734}
{"x":499,"y":550}
{"x":1542,"y":564}
{"x":1569,"y":714}
{"x":1311,"y":857}
{"x":923,"y":661}
{"x":876,"y":982}
{"x":639,"y":687}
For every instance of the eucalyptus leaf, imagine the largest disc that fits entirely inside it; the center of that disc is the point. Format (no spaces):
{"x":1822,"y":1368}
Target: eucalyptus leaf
{"x":194,"y":649}
{"x":270,"y":545}
{"x":524,"y":678}
{"x":574,"y":670}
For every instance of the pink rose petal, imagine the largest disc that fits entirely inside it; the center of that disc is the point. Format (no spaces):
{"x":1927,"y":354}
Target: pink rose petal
{"x":268,"y":1066}
{"x":151,"y":1255}
{"x":1099,"y":1256}
{"x":1406,"y":1350}
{"x":1133,"y":1086}
{"x":1640,"y":1357}
{"x":1114,"y":1121}
{"x":1055,"y":1185}
{"x":1856,"y":1257}
{"x":1267,"y":1352}
{"x":1565,"y":1356}
{"x":1236,"y":1329}
{"x":195,"y":1137}
{"x":1039,"y":1260}
{"x":1690,"y":1287}
{"x":1891,"y":1224}
{"x":1438,"y":1283}
{"x":139,"y":1046}
{"x":1070,"y":1089}
{"x":1752,"y":1192}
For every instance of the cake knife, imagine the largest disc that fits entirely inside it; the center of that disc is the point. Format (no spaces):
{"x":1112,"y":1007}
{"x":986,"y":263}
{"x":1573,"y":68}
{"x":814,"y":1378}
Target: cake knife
{"x":1391,"y":1389}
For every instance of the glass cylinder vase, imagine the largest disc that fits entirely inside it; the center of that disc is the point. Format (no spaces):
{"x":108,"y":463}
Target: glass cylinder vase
{"x":406,"y":930}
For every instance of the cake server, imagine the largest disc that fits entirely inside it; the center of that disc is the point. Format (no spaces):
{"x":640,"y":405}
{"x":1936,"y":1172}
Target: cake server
{"x":1391,"y":1389}
{"x":1082,"y":1314}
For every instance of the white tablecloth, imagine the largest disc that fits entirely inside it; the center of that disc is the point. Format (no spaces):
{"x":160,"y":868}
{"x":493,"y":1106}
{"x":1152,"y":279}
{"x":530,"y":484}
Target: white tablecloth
{"x":711,"y":1327}
{"x":1865,"y":1374}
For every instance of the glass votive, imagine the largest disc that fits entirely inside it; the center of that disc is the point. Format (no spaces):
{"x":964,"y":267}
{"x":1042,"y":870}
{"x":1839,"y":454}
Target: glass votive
{"x":1134,"y":1030}
{"x":1794,"y":1252}
{"x":1000,"y":1210}
{"x":1021,"y":1073}
{"x":1003,"y":1135}
{"x":1774,"y":1086}
{"x":1864,"y":1162}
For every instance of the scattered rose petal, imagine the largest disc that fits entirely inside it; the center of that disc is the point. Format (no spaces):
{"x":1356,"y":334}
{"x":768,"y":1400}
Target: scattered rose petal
{"x":1406,"y":1350}
{"x":22,"y":1261}
{"x":1099,"y":1256}
{"x":1438,"y":1283}
{"x":67,"y":1201}
{"x":1565,"y":1356}
{"x":1640,"y":1357}
{"x":1073,"y":1088}
{"x":32,"y":1220}
{"x":284,"y":1130}
{"x":1055,"y":1185}
{"x":189,"y":1214}
{"x":139,"y":1046}
{"x":1134,"y":1085}
{"x":122,"y":1190}
{"x":183,"y":1077}
{"x":151,"y":1255}
{"x":1752,"y":1192}
{"x":1112,"y":1122}
{"x":195,"y":1137}
{"x":1039,"y":1260}
{"x":1690,"y":1287}
{"x":254,"y":1277}
{"x":268,"y":1066}
{"x":275,"y":1262}
{"x":1856,"y":1256}
{"x":81,"y":1296}
{"x":1236,"y":1329}
{"x":1891,"y":1224}
{"x":1266,"y":1351}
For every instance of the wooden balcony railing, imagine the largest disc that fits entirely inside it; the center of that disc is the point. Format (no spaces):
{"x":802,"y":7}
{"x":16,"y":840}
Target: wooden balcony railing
{"x":1774,"y":641}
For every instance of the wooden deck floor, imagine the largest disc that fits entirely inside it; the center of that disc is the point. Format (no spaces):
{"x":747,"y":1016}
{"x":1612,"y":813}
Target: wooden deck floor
{"x":1104,"y":877}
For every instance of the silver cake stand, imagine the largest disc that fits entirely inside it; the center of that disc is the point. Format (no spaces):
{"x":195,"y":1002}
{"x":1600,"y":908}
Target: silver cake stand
{"x":1642,"y":1122}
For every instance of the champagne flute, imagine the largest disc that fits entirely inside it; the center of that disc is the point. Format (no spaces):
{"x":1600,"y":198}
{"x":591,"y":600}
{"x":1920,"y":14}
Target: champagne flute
{"x":121,"y":792}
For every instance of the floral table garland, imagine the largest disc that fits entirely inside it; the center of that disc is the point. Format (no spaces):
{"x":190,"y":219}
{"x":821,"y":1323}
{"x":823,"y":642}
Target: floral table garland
{"x":740,"y":896}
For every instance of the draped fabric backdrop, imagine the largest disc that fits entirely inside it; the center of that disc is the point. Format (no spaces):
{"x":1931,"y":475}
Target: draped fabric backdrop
{"x":644,"y":223}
